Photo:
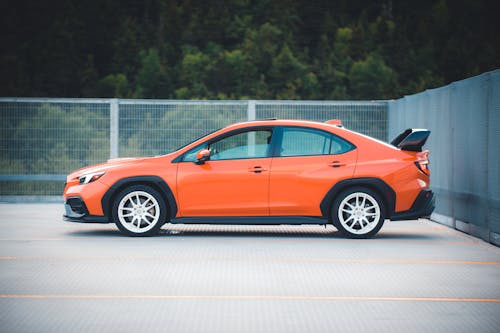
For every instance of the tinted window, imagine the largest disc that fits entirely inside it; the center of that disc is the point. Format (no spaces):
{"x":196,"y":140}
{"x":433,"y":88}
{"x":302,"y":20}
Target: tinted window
{"x":190,"y":156}
{"x":307,"y":142}
{"x":251,"y":144}
{"x":340,"y":146}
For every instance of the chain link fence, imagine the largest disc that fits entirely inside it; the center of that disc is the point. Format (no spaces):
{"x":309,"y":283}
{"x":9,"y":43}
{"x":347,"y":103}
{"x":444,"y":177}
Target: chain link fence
{"x":42,"y":139}
{"x":464,"y":118}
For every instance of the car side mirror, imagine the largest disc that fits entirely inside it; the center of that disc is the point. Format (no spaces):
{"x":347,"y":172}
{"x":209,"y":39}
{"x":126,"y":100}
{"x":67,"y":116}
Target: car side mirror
{"x":202,"y":156}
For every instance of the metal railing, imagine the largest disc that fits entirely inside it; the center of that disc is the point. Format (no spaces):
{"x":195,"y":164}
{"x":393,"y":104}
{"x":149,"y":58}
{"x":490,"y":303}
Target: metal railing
{"x":42,"y":139}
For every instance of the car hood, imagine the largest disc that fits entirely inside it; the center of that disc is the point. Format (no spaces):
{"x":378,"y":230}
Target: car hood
{"x":110,"y":164}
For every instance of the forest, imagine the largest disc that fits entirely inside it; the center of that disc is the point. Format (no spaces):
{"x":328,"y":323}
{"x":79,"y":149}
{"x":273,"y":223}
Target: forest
{"x":243,"y":49}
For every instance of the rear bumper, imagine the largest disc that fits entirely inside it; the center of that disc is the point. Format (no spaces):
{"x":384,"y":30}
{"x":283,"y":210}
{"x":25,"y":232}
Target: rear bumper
{"x":423,"y":206}
{"x":76,"y":211}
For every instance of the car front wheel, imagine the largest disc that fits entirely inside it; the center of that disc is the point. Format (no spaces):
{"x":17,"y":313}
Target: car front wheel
{"x":358,"y":212}
{"x":139,"y":210}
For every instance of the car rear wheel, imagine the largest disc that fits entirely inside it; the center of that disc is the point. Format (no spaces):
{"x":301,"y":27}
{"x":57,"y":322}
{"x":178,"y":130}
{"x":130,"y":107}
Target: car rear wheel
{"x":358,"y":213}
{"x":139,"y":210}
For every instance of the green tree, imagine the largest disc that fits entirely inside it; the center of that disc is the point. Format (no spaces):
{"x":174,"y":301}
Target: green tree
{"x":194,"y":72}
{"x":335,"y":63}
{"x":125,"y":48}
{"x":261,"y":46}
{"x":113,"y":85}
{"x":236,"y":74}
{"x":77,"y":48}
{"x":371,"y":78}
{"x":88,"y":77}
{"x":287,"y":75}
{"x":152,"y":80}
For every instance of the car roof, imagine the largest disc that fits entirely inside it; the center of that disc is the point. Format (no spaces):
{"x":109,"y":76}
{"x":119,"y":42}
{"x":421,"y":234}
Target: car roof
{"x":329,"y":126}
{"x":282,"y":122}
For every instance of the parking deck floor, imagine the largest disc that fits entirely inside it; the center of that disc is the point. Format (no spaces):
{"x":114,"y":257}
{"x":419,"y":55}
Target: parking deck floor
{"x":414,"y":276}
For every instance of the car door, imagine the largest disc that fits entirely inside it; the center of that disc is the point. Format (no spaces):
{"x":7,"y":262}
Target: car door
{"x":308,"y":163}
{"x":233,"y":182}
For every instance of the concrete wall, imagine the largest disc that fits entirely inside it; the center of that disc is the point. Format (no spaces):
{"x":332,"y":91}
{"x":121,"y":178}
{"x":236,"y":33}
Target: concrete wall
{"x":464,"y":118}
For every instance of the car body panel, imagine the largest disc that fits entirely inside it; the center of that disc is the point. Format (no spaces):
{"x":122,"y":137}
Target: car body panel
{"x":282,"y":185}
{"x":225,"y":187}
{"x":87,"y":193}
{"x":298,"y":184}
{"x":115,"y":170}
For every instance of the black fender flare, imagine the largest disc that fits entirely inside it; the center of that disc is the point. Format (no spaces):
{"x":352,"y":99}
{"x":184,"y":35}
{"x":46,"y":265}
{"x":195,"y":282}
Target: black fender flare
{"x":154,"y":181}
{"x":376,"y":184}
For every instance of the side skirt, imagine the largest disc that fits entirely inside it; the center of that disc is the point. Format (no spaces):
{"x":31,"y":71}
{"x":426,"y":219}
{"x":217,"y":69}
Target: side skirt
{"x":251,"y":220}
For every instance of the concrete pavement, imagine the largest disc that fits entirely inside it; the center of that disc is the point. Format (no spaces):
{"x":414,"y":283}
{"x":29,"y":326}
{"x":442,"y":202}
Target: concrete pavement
{"x":414,"y":276}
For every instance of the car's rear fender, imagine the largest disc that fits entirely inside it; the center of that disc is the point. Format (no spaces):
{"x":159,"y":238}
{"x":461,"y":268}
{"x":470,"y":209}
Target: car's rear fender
{"x":154,"y":181}
{"x":378,"y":185}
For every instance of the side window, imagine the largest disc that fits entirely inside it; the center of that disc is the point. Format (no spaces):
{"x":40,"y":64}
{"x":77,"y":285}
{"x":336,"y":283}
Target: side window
{"x":310,"y":142}
{"x":304,"y":142}
{"x":190,"y":156}
{"x":340,"y":146}
{"x":250,"y":144}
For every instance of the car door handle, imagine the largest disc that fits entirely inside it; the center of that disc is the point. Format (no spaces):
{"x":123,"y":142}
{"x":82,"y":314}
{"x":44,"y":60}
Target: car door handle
{"x":337,"y":164}
{"x":256,"y":169}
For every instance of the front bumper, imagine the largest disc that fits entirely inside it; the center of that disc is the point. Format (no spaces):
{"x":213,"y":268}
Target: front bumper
{"x":423,"y":206}
{"x":76,"y":211}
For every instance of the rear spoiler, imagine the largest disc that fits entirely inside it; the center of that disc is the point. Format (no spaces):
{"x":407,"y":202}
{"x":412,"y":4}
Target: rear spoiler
{"x":412,"y":139}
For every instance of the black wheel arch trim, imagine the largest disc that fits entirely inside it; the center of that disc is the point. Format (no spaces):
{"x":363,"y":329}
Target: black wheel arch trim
{"x":156,"y":182}
{"x":387,"y":193}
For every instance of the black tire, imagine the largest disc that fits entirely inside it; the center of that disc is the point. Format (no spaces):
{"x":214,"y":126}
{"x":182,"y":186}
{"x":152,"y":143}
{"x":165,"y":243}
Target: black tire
{"x":139,"y":210}
{"x":358,"y":212}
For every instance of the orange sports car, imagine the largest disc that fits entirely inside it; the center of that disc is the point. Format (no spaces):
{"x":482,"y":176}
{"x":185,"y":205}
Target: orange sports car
{"x":261,"y":172}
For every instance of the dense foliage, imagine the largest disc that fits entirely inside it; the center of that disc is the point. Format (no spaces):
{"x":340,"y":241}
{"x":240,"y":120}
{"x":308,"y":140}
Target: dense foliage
{"x":259,"y":49}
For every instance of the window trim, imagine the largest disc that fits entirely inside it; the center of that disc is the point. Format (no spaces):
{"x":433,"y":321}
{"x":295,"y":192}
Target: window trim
{"x":276,"y":142}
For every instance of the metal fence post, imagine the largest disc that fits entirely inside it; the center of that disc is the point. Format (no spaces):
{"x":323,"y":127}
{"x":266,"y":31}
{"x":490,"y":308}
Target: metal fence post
{"x":251,"y":135}
{"x":251,"y":110}
{"x":114,"y":114}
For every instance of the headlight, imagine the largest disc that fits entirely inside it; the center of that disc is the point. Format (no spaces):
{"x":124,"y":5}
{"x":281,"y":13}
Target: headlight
{"x":90,"y":177}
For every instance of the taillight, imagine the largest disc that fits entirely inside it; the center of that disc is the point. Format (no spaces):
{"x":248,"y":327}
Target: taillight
{"x":423,"y":162}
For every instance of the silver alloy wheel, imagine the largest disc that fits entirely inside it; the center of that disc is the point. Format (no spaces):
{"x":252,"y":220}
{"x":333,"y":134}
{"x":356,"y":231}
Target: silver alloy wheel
{"x":359,"y":213}
{"x":138,"y":211}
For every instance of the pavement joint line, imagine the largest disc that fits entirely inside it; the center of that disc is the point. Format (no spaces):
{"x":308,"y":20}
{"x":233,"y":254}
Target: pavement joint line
{"x":332,"y":240}
{"x":253,"y":297}
{"x":275,"y":260}
{"x":33,"y":239}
